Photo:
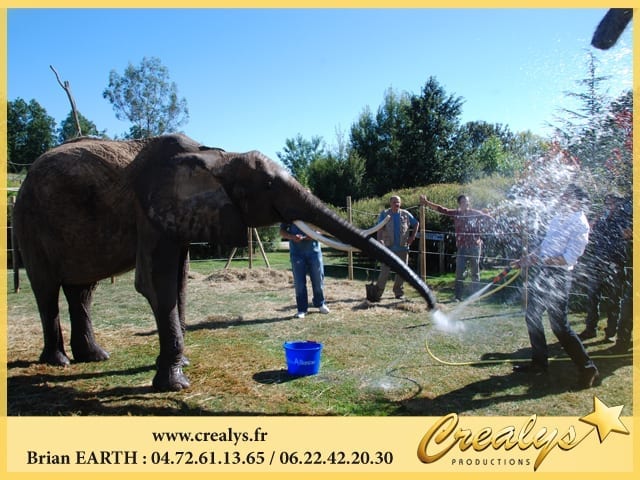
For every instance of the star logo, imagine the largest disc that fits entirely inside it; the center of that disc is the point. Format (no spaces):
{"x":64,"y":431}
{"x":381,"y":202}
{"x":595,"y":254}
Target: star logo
{"x":605,"y":419}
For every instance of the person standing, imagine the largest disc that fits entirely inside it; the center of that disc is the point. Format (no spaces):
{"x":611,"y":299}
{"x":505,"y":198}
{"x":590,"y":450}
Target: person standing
{"x":551,"y":266}
{"x":606,"y":269}
{"x":397,"y":235}
{"x":468,"y":225}
{"x":306,"y":259}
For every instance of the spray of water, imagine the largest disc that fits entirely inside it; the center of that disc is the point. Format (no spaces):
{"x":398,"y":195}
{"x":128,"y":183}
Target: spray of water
{"x":444,"y":323}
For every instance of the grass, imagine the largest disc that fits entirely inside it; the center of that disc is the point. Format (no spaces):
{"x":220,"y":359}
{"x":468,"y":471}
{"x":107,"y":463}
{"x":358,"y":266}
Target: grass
{"x":385,"y":359}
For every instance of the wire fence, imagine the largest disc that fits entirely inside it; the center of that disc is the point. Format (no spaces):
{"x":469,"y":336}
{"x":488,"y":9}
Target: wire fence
{"x":434,"y":256}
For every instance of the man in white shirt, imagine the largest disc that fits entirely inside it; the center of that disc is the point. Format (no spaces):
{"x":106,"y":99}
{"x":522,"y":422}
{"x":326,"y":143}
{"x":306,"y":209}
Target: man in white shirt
{"x":548,"y":290}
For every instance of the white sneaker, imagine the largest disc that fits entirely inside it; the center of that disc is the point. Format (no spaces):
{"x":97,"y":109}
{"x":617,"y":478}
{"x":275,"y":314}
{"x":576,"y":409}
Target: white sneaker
{"x":324,"y":309}
{"x":300,"y":314}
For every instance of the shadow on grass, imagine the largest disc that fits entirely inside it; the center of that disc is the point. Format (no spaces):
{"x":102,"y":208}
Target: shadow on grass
{"x":562,"y":377}
{"x":45,"y":394}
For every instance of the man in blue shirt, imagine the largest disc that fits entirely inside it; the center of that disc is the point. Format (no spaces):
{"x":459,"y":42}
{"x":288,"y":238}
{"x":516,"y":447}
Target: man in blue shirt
{"x":551,"y":274}
{"x":397,"y":235}
{"x":306,"y":259}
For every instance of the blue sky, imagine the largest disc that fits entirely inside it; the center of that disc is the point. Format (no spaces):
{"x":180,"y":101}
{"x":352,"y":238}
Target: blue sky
{"x":253,"y":78}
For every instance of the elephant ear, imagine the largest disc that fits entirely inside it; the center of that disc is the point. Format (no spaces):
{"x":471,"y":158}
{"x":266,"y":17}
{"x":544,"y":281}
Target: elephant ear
{"x":182,"y":196}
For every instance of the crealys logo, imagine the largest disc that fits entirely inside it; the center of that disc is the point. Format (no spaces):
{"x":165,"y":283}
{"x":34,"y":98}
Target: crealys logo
{"x":448,"y":435}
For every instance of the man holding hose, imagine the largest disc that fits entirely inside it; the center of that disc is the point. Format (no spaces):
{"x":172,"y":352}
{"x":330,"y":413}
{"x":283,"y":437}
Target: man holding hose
{"x":551,"y":267}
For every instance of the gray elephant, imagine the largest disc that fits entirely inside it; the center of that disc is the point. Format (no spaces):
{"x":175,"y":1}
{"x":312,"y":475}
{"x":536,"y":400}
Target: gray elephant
{"x":90,"y":209}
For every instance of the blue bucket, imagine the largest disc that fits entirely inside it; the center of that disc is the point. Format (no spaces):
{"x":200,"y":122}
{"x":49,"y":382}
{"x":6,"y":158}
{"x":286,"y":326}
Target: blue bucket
{"x":303,"y":358}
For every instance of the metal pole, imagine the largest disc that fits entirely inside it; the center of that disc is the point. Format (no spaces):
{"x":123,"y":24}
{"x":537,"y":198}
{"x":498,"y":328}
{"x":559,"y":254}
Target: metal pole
{"x":423,"y":244}
{"x":349,"y":253}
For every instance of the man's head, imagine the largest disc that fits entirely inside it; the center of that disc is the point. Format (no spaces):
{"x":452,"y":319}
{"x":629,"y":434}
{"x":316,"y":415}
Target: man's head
{"x":463,"y":203}
{"x":574,"y":196}
{"x":395,"y":202}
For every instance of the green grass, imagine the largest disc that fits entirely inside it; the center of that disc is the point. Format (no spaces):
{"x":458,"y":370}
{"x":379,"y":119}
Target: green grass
{"x":375,"y":361}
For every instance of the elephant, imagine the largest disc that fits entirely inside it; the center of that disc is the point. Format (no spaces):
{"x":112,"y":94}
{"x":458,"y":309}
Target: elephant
{"x":92,"y":208}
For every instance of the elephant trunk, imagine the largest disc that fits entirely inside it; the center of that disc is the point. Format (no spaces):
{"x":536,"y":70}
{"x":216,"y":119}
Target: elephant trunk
{"x":325,"y":219}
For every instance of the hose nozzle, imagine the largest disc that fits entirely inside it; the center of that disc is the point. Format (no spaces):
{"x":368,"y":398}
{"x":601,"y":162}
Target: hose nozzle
{"x":498,"y":278}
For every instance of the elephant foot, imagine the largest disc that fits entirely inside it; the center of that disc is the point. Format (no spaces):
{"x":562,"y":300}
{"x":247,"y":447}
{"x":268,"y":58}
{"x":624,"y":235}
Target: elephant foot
{"x":170,"y":379}
{"x":91,"y":354}
{"x":56,"y":358}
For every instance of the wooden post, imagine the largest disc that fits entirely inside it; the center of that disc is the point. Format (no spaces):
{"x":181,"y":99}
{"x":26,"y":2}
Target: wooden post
{"x":14,"y":251}
{"x":250,"y":237}
{"x":264,"y":255}
{"x":525,"y":281}
{"x":349,"y":253}
{"x":233,"y":252}
{"x":423,"y":244}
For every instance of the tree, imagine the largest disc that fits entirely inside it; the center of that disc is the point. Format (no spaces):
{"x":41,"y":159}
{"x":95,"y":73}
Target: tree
{"x":579,"y":127}
{"x":332,"y":178}
{"x":68,"y":130}
{"x":30,"y":133}
{"x":145,"y":97}
{"x":428,"y":154}
{"x":299,"y":153}
{"x":378,"y":139}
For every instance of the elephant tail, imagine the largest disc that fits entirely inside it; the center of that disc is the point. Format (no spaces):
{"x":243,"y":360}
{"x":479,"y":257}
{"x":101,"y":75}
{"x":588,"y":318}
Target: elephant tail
{"x":16,"y":258}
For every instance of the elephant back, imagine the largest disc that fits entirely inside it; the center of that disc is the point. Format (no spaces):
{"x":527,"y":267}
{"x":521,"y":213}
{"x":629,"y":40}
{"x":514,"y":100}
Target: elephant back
{"x":71,"y":212}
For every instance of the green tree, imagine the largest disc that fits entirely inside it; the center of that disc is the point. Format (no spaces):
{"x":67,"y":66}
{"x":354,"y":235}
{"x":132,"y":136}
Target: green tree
{"x":68,"y":130}
{"x":332,"y":178}
{"x":579,"y":128}
{"x":145,"y":96}
{"x":428,"y":153}
{"x":30,"y":133}
{"x":378,"y":139}
{"x":299,"y":153}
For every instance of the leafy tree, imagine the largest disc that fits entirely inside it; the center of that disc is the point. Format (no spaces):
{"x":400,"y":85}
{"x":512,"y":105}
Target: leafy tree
{"x":378,"y":139}
{"x":67,"y":129}
{"x":579,"y":128}
{"x":596,"y":135}
{"x":332,"y":178}
{"x":144,"y":96}
{"x":428,"y":153}
{"x":616,"y":140}
{"x":299,"y":153}
{"x":30,"y":133}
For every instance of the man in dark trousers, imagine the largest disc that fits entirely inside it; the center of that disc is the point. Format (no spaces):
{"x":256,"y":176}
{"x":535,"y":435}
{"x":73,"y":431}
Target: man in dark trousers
{"x":551,"y":266}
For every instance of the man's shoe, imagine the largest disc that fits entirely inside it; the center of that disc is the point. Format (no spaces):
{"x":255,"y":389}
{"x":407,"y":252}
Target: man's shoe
{"x":587,"y":334}
{"x":323,"y":309}
{"x":588,"y":377}
{"x":300,"y":314}
{"x":531,"y":367}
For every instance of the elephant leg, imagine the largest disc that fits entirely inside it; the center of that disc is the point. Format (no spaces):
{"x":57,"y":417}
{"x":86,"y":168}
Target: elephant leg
{"x":183,"y":274}
{"x":83,"y":342}
{"x":47,"y":299}
{"x":158,"y":272}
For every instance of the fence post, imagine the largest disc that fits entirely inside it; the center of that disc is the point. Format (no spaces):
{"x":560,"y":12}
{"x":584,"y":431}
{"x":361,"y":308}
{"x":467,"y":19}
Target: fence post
{"x":261,"y":247}
{"x":349,"y":253}
{"x":14,"y":250}
{"x":423,"y":244}
{"x":250,"y":237}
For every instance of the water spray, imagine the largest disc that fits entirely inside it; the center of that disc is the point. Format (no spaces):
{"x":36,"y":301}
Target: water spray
{"x":448,"y":324}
